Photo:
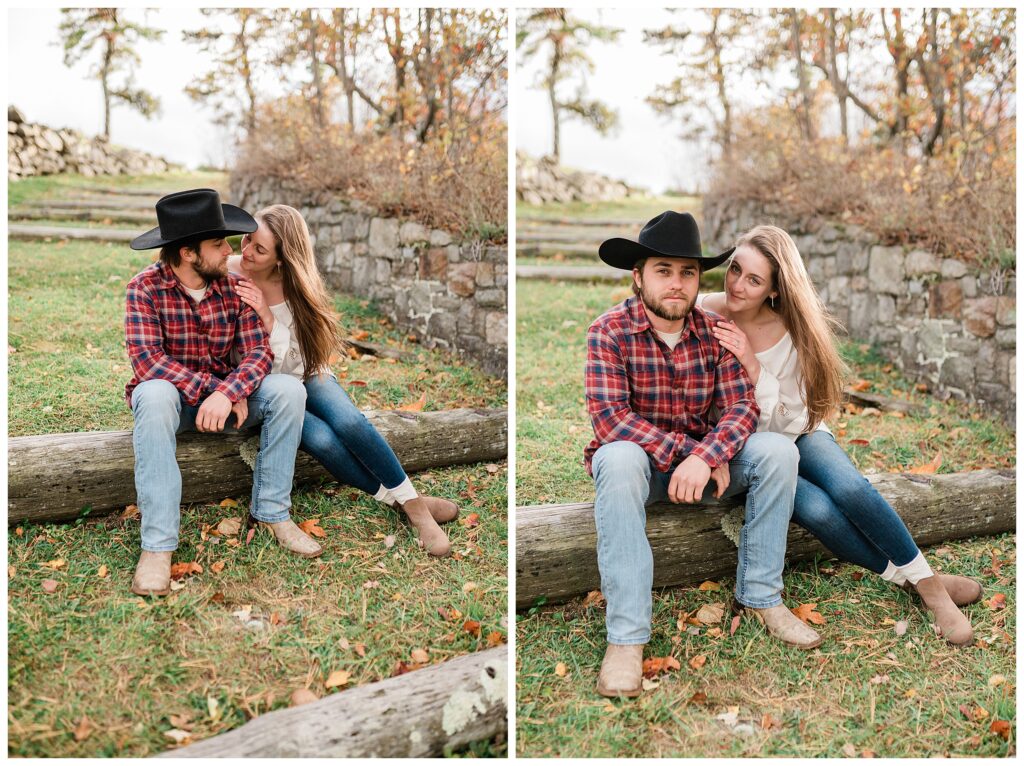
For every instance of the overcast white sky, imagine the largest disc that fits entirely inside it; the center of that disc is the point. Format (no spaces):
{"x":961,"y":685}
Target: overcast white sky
{"x":47,"y":91}
{"x":646,"y":150}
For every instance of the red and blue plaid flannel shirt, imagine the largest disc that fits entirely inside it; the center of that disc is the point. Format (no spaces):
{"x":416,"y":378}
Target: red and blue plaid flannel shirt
{"x":170,"y":337}
{"x":639,"y":391}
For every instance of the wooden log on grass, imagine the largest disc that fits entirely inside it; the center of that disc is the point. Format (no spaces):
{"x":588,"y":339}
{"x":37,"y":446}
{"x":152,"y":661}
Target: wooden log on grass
{"x":556,"y":545}
{"x":59,"y":477}
{"x":415,"y":715}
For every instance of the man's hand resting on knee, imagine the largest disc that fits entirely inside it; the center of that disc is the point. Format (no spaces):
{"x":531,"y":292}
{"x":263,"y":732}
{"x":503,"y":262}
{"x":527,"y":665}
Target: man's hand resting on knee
{"x":690,"y":478}
{"x":213,"y":413}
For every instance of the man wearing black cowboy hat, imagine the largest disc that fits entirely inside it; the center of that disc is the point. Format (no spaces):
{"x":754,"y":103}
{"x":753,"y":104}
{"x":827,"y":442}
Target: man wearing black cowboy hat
{"x":655,"y":377}
{"x":184,"y":321}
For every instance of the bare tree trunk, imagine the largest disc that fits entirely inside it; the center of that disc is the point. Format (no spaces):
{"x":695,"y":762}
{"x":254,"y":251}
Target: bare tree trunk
{"x":804,"y":114}
{"x":310,"y":22}
{"x":725,"y":128}
{"x":250,"y":90}
{"x":556,"y":62}
{"x":108,"y":57}
{"x":838,"y":85}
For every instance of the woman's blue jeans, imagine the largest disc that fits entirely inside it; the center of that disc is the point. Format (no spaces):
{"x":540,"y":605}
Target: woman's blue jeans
{"x":343,"y":441}
{"x":840,"y":507}
{"x":625,"y":481}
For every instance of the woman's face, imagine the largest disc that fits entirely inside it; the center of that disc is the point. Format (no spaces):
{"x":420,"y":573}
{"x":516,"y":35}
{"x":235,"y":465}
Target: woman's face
{"x":748,"y":280}
{"x":259,"y":252}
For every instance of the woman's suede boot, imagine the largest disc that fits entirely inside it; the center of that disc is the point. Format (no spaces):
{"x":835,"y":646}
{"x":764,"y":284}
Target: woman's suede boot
{"x":431,"y":537}
{"x":953,"y":625}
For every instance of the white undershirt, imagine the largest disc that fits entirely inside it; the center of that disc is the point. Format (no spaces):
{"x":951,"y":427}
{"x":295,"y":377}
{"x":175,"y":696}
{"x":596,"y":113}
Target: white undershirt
{"x":670,"y":338}
{"x":197,"y":295}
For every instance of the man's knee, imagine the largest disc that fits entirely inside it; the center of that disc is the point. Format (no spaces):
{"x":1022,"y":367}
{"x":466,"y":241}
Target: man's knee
{"x":283,"y":391}
{"x":619,"y":461}
{"x":772,"y":452}
{"x":156,"y":399}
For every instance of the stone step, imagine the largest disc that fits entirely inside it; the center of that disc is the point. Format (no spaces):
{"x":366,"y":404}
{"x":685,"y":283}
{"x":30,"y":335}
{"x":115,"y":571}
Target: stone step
{"x":569,"y":237}
{"x":555,"y":248}
{"x":92,"y":204}
{"x":123,"y":215}
{"x":30,"y":232}
{"x":610,"y":222}
{"x":124,"y":192}
{"x":599,"y":273}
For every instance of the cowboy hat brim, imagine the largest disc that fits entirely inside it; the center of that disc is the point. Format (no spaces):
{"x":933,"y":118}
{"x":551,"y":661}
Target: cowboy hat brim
{"x":236,"y":221}
{"x":624,"y":253}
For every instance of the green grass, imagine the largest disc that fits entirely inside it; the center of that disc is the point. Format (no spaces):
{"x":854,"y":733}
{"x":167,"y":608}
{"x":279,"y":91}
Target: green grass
{"x":69,"y":186}
{"x":93,"y":650}
{"x":824,"y":700}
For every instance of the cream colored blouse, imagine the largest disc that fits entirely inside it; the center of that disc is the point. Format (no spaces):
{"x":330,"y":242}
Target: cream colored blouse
{"x":285,"y":344}
{"x":778,"y":389}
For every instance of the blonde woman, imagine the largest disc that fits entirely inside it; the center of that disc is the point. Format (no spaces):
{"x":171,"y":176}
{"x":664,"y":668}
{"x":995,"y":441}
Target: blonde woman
{"x":282,"y":284}
{"x":784,"y":337}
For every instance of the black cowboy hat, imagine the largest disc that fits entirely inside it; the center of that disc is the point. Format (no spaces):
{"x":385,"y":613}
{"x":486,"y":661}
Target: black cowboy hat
{"x":194,"y":214}
{"x":671,"y":235}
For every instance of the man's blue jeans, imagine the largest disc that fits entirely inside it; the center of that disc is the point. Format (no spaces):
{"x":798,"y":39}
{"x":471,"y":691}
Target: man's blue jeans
{"x":160,"y":414}
{"x":766,"y":469}
{"x":343,"y":441}
{"x":840,"y":507}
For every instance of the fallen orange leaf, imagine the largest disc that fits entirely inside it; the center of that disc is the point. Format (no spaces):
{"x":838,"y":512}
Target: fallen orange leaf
{"x":930,"y":467}
{"x":217,"y":566}
{"x":420,"y":655}
{"x":338,"y":678}
{"x":84,"y":729}
{"x":655,"y":666}
{"x":494,"y":638}
{"x":416,"y":406}
{"x":698,"y":662}
{"x":998,"y":601}
{"x":1000,"y":727}
{"x":183,"y":569}
{"x":310,"y":527}
{"x":470,"y":521}
{"x":860,"y":442}
{"x":709,"y":585}
{"x":360,"y":649}
{"x":102,"y":571}
{"x":227,"y":502}
{"x":861,"y":385}
{"x":561,"y":669}
{"x":360,"y":335}
{"x":595,"y":598}
{"x":806,"y":613}
{"x":472,"y":627}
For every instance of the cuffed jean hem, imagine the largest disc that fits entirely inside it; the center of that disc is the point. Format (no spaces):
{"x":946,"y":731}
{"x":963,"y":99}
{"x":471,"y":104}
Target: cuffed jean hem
{"x":158,"y":549}
{"x":766,"y":605}
{"x":629,"y":641}
{"x":273,"y":518}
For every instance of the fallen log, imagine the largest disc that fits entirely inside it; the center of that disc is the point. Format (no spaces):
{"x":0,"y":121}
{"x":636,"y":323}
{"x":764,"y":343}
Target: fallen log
{"x":885,"y":403}
{"x":415,"y":715}
{"x":556,"y":545}
{"x":58,"y":477}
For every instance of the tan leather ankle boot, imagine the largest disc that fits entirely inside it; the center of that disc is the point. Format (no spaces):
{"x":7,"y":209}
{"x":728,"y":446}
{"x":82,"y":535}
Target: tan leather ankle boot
{"x":962,"y":590}
{"x":442,"y":510}
{"x":953,"y":625}
{"x":431,"y":537}
{"x":786,"y":626}
{"x":153,"y":574}
{"x":293,"y":539}
{"x":621,"y":671}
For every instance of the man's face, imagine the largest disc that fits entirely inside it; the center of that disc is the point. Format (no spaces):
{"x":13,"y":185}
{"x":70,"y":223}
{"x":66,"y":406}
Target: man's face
{"x":668,"y":286}
{"x":211,"y":262}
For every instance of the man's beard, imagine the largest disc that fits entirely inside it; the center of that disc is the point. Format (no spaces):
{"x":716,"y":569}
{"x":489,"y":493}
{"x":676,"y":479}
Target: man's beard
{"x":208,"y":271}
{"x":659,"y":309}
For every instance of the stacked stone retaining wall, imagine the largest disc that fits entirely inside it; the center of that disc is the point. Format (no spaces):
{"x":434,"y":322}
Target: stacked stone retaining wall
{"x":38,"y":150}
{"x":449,"y":293}
{"x":942,"y":321}
{"x":544,"y":180}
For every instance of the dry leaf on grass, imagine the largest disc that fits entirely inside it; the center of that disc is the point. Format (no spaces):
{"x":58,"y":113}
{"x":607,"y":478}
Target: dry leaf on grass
{"x":807,"y":614}
{"x":389,"y":541}
{"x":302,"y":696}
{"x":130,"y":512}
{"x":710,"y":614}
{"x":50,"y":586}
{"x":84,"y":729}
{"x":55,"y":564}
{"x":495,"y":638}
{"x":420,"y":655}
{"x":217,"y":567}
{"x":338,"y":678}
{"x":998,"y":601}
{"x":227,"y":502}
{"x":930,"y":467}
{"x":470,"y":521}
{"x":472,"y":627}
{"x":184,"y":569}
{"x":11,"y":571}
{"x":698,"y":698}
{"x":416,"y":406}
{"x":229,"y":527}
{"x":698,"y":662}
{"x":492,"y":468}
{"x":360,"y":649}
{"x":359,"y":335}
{"x":309,"y":526}
{"x":655,"y":666}
{"x":709,"y":585}
{"x":595,"y":598}
{"x":734,"y":624}
{"x":1001,"y":728}
{"x":470,"y":586}
{"x":561,"y":670}
{"x":861,"y":385}
{"x":180,"y":737}
{"x":102,"y":571}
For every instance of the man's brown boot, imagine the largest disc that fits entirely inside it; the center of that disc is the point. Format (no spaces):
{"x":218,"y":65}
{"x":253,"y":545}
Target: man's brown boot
{"x":962,"y":590}
{"x":293,"y":539}
{"x":442,"y":510}
{"x":153,"y":574}
{"x":786,"y":626}
{"x":621,"y":671}
{"x":431,"y":537}
{"x":953,"y":626}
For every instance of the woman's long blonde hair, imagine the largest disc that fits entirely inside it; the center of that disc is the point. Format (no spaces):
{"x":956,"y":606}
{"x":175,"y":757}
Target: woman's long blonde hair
{"x":315,"y":320}
{"x":809,"y":322}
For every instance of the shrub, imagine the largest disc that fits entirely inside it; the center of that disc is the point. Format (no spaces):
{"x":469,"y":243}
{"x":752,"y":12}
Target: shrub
{"x":961,"y":203}
{"x":457,"y":182}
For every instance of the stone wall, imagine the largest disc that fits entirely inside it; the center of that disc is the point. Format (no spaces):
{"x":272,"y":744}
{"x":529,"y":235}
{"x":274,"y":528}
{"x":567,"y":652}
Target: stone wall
{"x":942,"y":321}
{"x":36,"y":150}
{"x":544,"y":180}
{"x":451,"y":294}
